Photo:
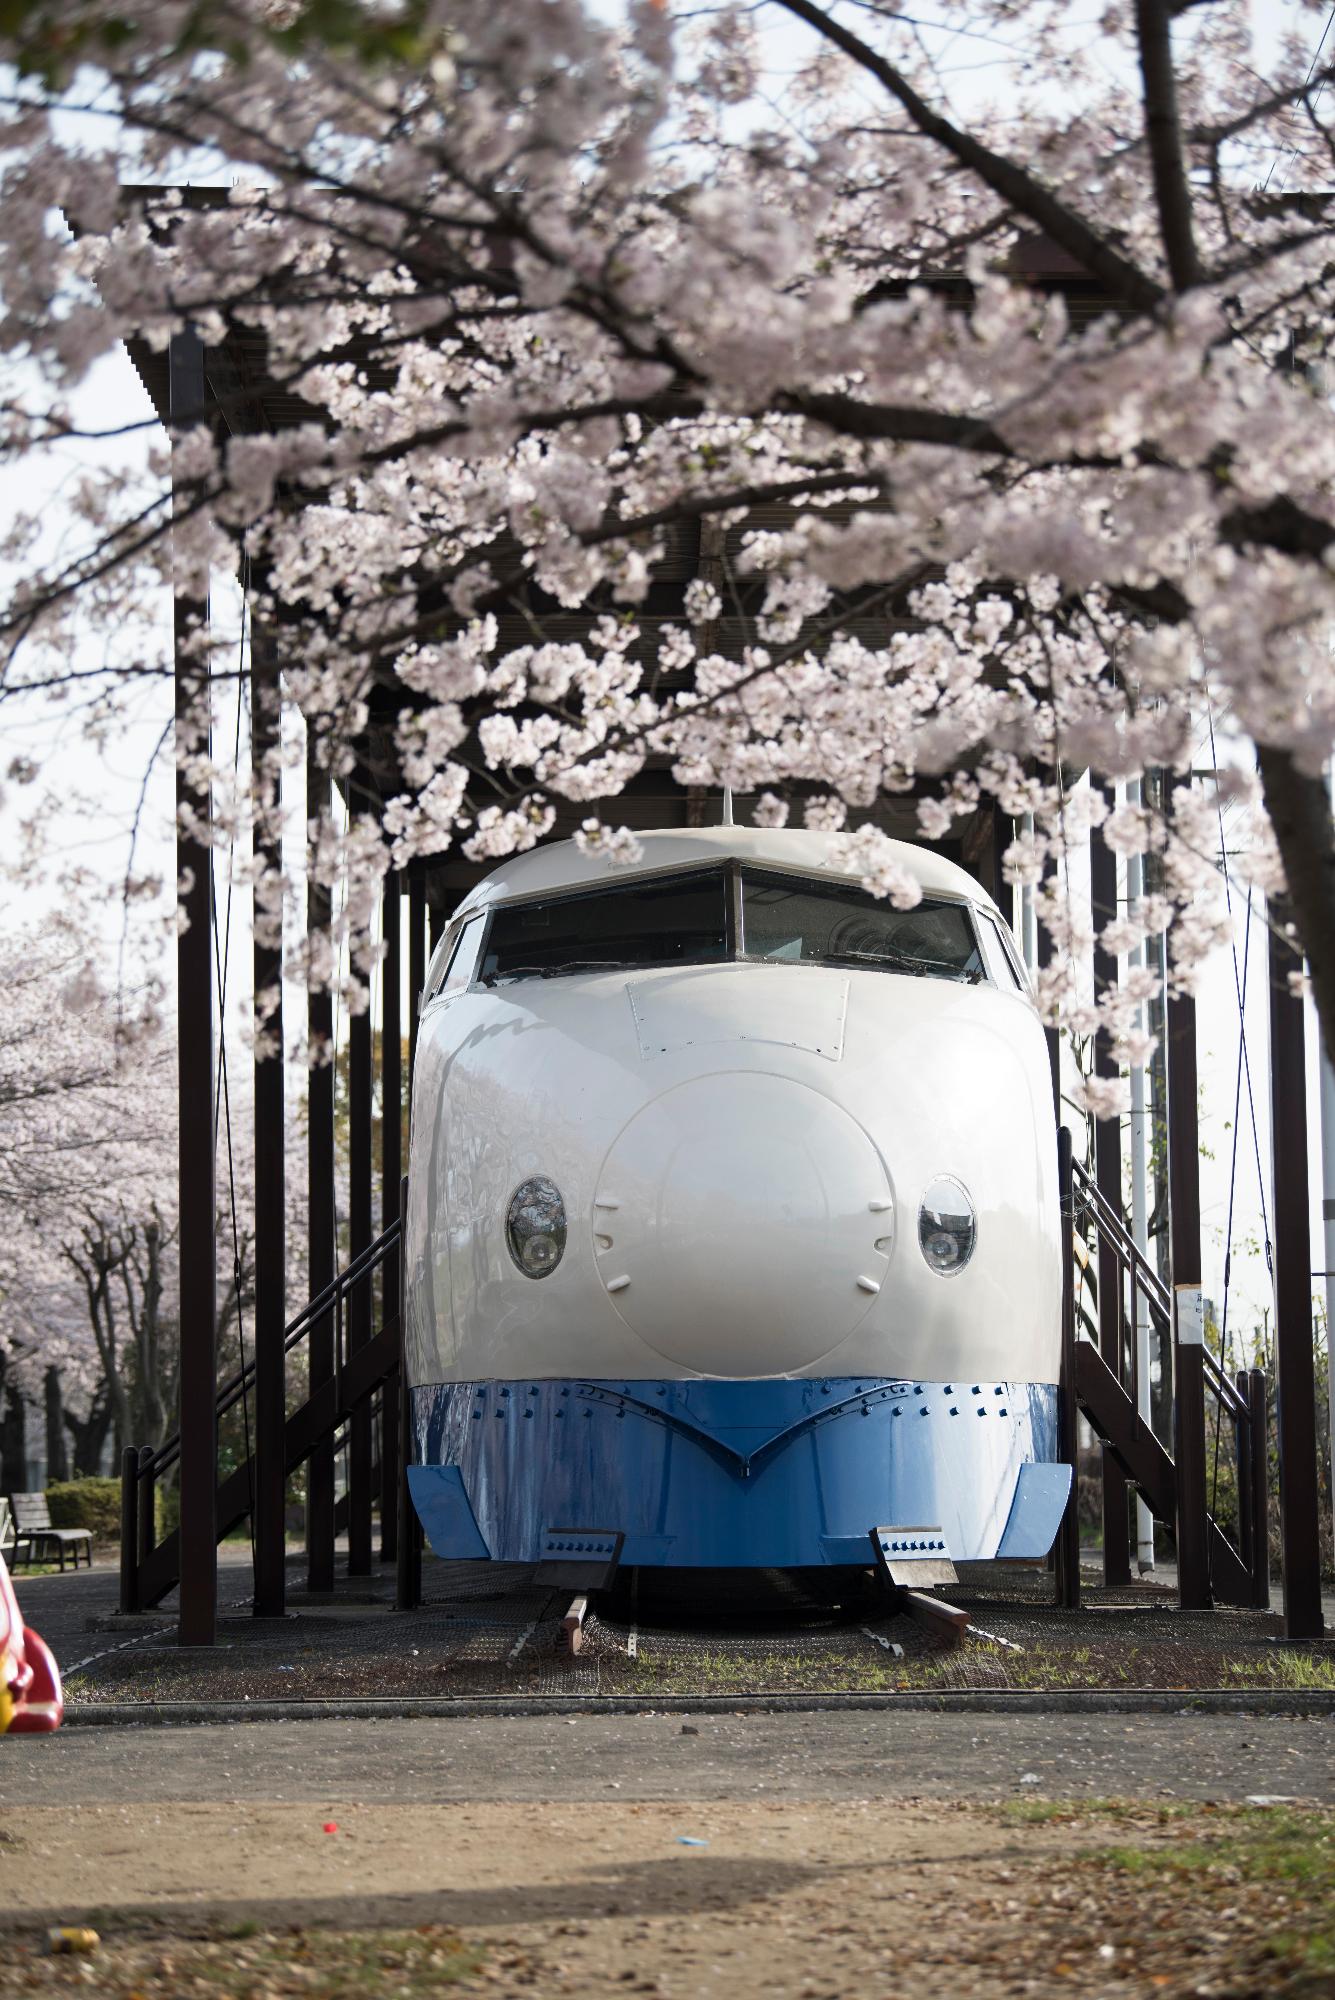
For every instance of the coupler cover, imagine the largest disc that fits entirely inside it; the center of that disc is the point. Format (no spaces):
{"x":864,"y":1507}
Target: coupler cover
{"x":583,"y":1558}
{"x":916,"y":1558}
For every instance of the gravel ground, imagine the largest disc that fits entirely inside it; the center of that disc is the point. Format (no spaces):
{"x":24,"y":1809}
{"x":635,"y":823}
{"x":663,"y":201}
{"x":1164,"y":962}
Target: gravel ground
{"x":827,"y":1757}
{"x":799,"y":1900}
{"x":853,"y":1856}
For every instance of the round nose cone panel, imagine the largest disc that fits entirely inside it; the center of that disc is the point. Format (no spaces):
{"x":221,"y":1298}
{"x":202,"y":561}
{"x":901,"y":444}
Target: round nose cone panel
{"x":737,"y":1222}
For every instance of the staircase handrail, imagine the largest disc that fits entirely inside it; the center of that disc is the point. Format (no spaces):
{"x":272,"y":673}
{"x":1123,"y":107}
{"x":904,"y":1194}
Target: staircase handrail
{"x":1111,"y":1223}
{"x":325,"y":1301}
{"x":1224,"y":1388}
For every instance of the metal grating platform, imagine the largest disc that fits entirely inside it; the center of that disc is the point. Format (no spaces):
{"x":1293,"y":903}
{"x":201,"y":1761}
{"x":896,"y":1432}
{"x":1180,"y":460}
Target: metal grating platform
{"x":487,"y":1631}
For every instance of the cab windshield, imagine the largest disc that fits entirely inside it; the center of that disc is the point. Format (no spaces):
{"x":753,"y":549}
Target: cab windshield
{"x":674,"y":920}
{"x":725,"y":913}
{"x":801,"y":922}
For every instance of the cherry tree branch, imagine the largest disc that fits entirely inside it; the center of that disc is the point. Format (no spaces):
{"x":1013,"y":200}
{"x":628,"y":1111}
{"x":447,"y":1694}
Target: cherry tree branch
{"x":1044,"y":209}
{"x":1298,"y":806}
{"x":1164,"y":138}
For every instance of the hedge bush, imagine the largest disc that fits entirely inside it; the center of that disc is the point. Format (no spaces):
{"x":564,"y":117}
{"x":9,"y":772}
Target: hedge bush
{"x":87,"y":1503}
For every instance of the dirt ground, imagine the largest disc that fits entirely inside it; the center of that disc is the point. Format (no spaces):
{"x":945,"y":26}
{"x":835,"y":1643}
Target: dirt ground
{"x":817,"y":1901}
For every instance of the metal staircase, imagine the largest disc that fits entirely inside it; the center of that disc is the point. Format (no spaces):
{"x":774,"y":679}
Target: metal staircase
{"x":149,"y":1568}
{"x":1104,"y":1382}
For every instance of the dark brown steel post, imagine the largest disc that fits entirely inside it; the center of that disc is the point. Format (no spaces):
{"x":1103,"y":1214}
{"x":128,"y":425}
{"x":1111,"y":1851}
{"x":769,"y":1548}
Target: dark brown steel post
{"x":1043,"y":941}
{"x":197,"y":1375}
{"x":129,"y":1593}
{"x":1108,"y":1176}
{"x":416,"y":968}
{"x":1242,"y":1433}
{"x":409,"y":1577}
{"x":1068,"y":1424}
{"x":269,"y":1484}
{"x":1258,"y":1487}
{"x":408,"y":1574}
{"x":1184,"y":1205}
{"x":1296,"y":1383}
{"x":148,"y":1523}
{"x":1003,"y":832}
{"x":391,"y":1171}
{"x":408,"y":1571}
{"x":321,"y":1247}
{"x":360,"y":1297}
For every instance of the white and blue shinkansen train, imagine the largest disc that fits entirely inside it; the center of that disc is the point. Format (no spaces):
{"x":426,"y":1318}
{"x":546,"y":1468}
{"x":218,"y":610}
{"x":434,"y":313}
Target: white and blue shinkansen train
{"x":733,"y":1221}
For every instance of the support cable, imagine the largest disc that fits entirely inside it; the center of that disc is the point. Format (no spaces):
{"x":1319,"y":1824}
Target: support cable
{"x":1311,"y":72}
{"x":1243,"y":1070}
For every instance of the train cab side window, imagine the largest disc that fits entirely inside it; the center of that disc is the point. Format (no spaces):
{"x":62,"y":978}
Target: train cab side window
{"x":435,"y":971}
{"x":463,"y":960}
{"x":1000,"y":963}
{"x":677,"y":920}
{"x":454,"y":961}
{"x":805,"y":922}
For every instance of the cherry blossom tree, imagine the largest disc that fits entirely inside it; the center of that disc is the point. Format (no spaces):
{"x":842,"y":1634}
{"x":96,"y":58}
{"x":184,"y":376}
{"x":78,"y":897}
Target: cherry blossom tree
{"x":560,"y":294}
{"x":119,"y":1259}
{"x":87,"y":1282}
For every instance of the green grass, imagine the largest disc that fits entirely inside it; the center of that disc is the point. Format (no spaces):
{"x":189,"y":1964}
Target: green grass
{"x":1262,"y":1843}
{"x":1044,"y":1812}
{"x":724,"y":1671}
{"x":246,"y":1961}
{"x":1276,"y":1863}
{"x":1286,"y":1853}
{"x":1154,"y":1813}
{"x":1285,"y":1668}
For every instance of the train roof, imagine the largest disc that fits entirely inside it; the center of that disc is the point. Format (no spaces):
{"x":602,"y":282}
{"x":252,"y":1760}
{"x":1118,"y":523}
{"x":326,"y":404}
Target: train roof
{"x":561,"y":865}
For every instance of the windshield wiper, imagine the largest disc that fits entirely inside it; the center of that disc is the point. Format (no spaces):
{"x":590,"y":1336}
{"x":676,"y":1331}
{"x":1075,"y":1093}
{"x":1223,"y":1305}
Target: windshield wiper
{"x":913,"y":966}
{"x":917,"y":968}
{"x":554,"y":971}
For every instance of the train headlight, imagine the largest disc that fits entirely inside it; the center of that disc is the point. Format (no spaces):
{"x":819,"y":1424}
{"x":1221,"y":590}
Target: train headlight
{"x":535,"y":1226}
{"x":947,"y":1226}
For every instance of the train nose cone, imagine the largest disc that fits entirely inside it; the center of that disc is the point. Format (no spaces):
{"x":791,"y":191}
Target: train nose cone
{"x":737,"y":1222}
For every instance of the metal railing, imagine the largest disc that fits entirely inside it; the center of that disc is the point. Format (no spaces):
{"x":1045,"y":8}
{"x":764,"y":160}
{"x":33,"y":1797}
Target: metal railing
{"x":1240,"y":1402}
{"x":142,"y":1468}
{"x":1145,"y":1283}
{"x":333,"y":1298}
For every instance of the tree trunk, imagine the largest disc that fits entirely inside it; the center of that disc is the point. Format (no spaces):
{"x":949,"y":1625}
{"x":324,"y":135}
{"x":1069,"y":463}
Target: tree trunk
{"x":90,"y":1434}
{"x":1299,"y":809}
{"x":111,"y":1363}
{"x":145,"y":1322}
{"x":57,"y":1453}
{"x":14,"y":1443}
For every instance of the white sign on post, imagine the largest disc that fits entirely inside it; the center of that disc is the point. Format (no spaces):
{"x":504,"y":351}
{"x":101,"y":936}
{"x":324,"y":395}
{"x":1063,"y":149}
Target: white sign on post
{"x":1190,"y":1302}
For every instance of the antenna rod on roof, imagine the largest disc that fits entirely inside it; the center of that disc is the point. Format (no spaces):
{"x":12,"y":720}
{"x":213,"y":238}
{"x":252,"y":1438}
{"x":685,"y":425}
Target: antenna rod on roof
{"x":727,"y":806}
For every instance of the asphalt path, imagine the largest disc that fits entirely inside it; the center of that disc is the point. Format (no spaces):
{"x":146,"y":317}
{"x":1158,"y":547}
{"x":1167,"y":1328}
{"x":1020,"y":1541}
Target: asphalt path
{"x":910,"y":1754}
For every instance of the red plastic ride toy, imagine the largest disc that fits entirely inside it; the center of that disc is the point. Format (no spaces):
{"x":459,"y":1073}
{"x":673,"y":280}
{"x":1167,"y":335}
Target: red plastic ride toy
{"x":31,"y":1703}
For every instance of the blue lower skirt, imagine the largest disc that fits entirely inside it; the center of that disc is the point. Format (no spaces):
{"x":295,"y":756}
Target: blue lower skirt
{"x":774,"y":1474}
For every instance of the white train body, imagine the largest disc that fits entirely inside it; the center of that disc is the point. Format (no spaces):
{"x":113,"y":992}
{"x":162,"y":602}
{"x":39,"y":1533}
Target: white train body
{"x":741,"y":1253}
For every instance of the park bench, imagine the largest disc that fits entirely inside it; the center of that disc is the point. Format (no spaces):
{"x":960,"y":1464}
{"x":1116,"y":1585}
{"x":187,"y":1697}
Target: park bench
{"x":38,"y":1538}
{"x":8,"y":1537}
